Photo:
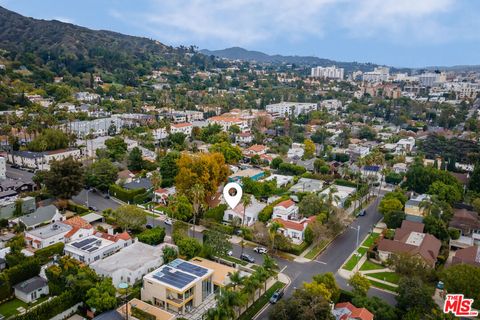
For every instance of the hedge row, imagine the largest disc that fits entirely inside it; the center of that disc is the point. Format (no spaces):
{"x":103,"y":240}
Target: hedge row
{"x":124,"y":194}
{"x":77,"y":208}
{"x":21,"y":272}
{"x":44,"y":255}
{"x":51,"y":308}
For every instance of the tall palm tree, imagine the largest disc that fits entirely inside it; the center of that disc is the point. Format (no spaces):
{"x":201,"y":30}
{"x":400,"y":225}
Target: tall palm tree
{"x":273,"y":229}
{"x":236,"y":279}
{"x":250,"y":286}
{"x":197,"y":194}
{"x":246,"y":201}
{"x":262,"y":275}
{"x":270,"y":264}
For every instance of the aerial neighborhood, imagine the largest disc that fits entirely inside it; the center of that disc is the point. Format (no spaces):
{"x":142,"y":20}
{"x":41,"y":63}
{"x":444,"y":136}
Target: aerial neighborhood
{"x":360,"y":185}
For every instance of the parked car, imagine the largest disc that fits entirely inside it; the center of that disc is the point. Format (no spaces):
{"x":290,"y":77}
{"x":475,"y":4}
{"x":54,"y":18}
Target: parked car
{"x":92,"y":208}
{"x":260,"y":250}
{"x":230,"y":253}
{"x":362,"y":213}
{"x":168,"y":221}
{"x":277,"y":295}
{"x":107,"y":196}
{"x":246,"y":257}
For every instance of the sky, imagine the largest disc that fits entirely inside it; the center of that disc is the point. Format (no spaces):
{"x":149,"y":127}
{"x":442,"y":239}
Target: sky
{"x":400,"y":33}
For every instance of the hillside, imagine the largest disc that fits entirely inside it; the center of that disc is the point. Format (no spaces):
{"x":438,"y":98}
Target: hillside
{"x":237,"y":53}
{"x":65,"y":47}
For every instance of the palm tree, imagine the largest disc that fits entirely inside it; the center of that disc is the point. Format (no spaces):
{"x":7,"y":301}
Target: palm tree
{"x":246,"y":201}
{"x":250,"y":286}
{"x":236,"y":279}
{"x":272,"y":229}
{"x":270,"y":264}
{"x":197,"y":193}
{"x":262,"y":276}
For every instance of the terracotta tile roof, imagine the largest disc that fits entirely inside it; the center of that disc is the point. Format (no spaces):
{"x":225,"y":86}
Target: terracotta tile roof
{"x":286,"y":204}
{"x":225,"y":119}
{"x":256,"y":148}
{"x":114,"y":237}
{"x":356,"y":313}
{"x":181,"y":125}
{"x":78,"y":222}
{"x":293,"y":225}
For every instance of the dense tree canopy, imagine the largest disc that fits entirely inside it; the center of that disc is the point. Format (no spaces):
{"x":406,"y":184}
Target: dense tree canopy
{"x":65,"y":178}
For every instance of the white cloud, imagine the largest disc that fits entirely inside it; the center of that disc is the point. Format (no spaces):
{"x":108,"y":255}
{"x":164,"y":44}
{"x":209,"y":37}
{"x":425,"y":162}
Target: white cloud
{"x":252,"y":22}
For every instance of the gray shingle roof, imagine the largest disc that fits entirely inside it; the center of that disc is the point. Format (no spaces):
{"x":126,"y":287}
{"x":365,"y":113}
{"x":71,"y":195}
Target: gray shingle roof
{"x":40,"y":215}
{"x":31,"y":284}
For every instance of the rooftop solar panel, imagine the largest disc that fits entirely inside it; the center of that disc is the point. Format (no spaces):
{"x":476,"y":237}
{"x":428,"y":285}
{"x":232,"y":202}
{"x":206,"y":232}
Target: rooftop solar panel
{"x":192,"y":268}
{"x":175,"y":278}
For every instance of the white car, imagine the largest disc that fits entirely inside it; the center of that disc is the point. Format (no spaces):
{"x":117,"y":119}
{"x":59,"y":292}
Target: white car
{"x":168,"y":221}
{"x":260,"y":250}
{"x":230,"y":253}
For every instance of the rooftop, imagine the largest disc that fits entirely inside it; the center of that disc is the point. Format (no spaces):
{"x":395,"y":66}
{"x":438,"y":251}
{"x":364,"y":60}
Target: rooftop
{"x":91,"y":244}
{"x":50,"y":230}
{"x":31,"y":285}
{"x":221,"y":275}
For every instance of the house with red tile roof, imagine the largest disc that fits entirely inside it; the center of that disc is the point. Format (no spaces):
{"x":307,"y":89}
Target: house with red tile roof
{"x":347,"y":311}
{"x":294,"y":230}
{"x":410,"y":239}
{"x":185,"y":128}
{"x":80,"y":229}
{"x":287,"y":210}
{"x":255,"y":150}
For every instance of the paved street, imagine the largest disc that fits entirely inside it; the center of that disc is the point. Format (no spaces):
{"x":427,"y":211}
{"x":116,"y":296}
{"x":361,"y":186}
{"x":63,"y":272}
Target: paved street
{"x":95,"y":199}
{"x":18,"y":174}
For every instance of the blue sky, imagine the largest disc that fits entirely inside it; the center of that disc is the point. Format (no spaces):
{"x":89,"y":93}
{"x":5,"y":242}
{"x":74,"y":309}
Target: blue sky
{"x":410,"y":33}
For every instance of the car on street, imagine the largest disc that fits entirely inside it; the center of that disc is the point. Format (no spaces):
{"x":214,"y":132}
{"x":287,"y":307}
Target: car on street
{"x":246,"y":257}
{"x":260,"y":250}
{"x":362,"y":213}
{"x":168,"y":221}
{"x":92,"y":208}
{"x":277,"y":295}
{"x":230,"y":253}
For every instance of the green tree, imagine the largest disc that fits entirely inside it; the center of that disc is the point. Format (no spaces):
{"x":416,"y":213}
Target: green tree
{"x":156,"y":180}
{"x":102,"y":296}
{"x":474,"y":182}
{"x":389,"y":205}
{"x":135,"y":159}
{"x":436,"y":227}
{"x":310,"y":205}
{"x":169,"y":254}
{"x":177,"y":140}
{"x":301,"y":306}
{"x":168,"y":168}
{"x":231,"y":153}
{"x":276,"y":162}
{"x":414,"y":295}
{"x":360,"y":284}
{"x":393,"y":219}
{"x":463,"y":278}
{"x":49,"y":139}
{"x":130,"y":217}
{"x":273,"y":230}
{"x":377,"y":306}
{"x":189,"y":247}
{"x":116,"y":148}
{"x":181,"y":208}
{"x":18,"y":208}
{"x":101,"y":174}
{"x":65,"y":178}
{"x":309,"y":149}
{"x":445,"y":192}
{"x":218,"y":242}
{"x":152,"y":236}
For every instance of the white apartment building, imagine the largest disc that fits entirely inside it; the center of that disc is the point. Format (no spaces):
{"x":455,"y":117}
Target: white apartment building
{"x":283,"y":109}
{"x":185,"y":128}
{"x":429,"y":79}
{"x":227,"y":122}
{"x":41,"y":160}
{"x":378,"y":74}
{"x":332,"y":105}
{"x":327,"y":72}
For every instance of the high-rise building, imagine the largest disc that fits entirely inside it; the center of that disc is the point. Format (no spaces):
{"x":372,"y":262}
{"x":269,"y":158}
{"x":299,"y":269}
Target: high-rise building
{"x":379,"y":74}
{"x":327,"y":72}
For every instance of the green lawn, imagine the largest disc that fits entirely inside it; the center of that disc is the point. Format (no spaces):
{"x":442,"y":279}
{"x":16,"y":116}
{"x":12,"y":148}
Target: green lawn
{"x":368,"y":265}
{"x":258,"y":305}
{"x":9,"y":308}
{"x":370,"y":240}
{"x":316,"y":250}
{"x":352,"y":262}
{"x":362,"y":250}
{"x":382,"y":286}
{"x":391,"y":277}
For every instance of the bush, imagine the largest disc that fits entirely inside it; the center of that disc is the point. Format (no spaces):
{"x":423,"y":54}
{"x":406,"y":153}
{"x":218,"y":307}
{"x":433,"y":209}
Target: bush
{"x":288,"y":168}
{"x":345,"y":183}
{"x":143,"y":198}
{"x":5,"y":288}
{"x":216,"y":213}
{"x":152,"y":236}
{"x":51,"y":308}
{"x":45,"y":254}
{"x":454,"y":233}
{"x":346,"y":296}
{"x":140,"y":314}
{"x":297,"y":249}
{"x":189,"y":247}
{"x":77,"y":208}
{"x":227,"y":229}
{"x":23,"y":271}
{"x":124,"y":194}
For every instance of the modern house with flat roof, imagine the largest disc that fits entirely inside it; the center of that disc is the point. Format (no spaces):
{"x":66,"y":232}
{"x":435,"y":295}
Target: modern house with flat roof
{"x":130,"y":264}
{"x":48,"y":235}
{"x":178,"y":286}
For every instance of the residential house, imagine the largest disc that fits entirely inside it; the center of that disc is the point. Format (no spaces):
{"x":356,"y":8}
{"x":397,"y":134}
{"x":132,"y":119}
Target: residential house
{"x":414,"y":210}
{"x":469,"y":255}
{"x":468,"y":222}
{"x":136,"y":306}
{"x":181,"y":286}
{"x":286,"y":109}
{"x":32,"y":289}
{"x":8,"y":200}
{"x":340,"y":195}
{"x":244,"y":138}
{"x":255,"y":150}
{"x":250,"y":214}
{"x":296,"y":152}
{"x":287,"y":210}
{"x":357,"y":152}
{"x":227,"y":122}
{"x":130,"y":264}
{"x":307,"y":185}
{"x":400,"y":167}
{"x":347,"y":311}
{"x":125,"y":176}
{"x":185,"y":128}
{"x":43,"y":215}
{"x":254,"y":174}
{"x":47,"y":235}
{"x":293,"y":229}
{"x":281,"y":180}
{"x":81,"y":227}
{"x":139,"y":184}
{"x":308,"y":164}
{"x":410,"y":239}
{"x":405,"y":146}
{"x":161,"y":195}
{"x":97,"y":246}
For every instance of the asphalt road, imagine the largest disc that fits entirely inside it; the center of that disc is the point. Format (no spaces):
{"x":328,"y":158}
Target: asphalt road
{"x":95,"y":199}
{"x":332,"y":259}
{"x":18,"y":174}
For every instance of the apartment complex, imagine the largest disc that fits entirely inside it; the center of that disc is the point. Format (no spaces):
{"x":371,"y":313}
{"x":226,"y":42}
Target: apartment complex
{"x":327,"y":72}
{"x":283,"y":109}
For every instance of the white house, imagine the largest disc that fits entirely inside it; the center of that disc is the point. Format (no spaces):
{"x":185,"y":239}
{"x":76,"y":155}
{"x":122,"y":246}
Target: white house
{"x":32,"y":289}
{"x":160,"y":133}
{"x":46,"y":236}
{"x":282,"y":180}
{"x":251,"y":212}
{"x":405,"y":145}
{"x":97,"y":246}
{"x":185,"y":128}
{"x":290,"y":108}
{"x":130,"y":264}
{"x":340,"y":195}
{"x":286,"y":210}
{"x":227,"y":122}
{"x":43,"y":215}
{"x":255,"y":150}
{"x":244,"y":137}
{"x":294,"y":230}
